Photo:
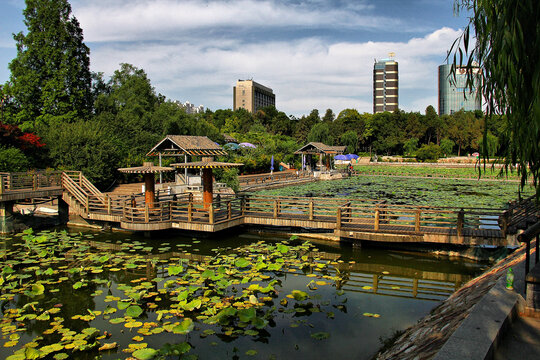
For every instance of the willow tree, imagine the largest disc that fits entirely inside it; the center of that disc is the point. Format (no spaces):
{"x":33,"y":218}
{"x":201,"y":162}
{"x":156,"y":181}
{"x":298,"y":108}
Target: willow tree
{"x":50,"y":77}
{"x":503,"y":37}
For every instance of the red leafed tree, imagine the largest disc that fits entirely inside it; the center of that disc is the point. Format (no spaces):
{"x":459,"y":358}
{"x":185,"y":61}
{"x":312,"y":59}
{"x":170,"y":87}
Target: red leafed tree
{"x":12,"y":136}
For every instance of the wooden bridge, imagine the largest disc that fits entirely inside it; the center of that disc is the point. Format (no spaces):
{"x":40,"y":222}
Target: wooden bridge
{"x":361,"y":219}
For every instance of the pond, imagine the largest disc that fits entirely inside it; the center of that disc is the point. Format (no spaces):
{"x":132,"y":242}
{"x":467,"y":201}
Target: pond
{"x":412,"y":191}
{"x":65,"y":295}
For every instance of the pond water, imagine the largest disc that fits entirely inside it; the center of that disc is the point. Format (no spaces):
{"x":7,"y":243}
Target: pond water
{"x":64,"y":295}
{"x":412,"y":191}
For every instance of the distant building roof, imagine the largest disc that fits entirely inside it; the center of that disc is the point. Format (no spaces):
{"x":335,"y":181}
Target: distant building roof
{"x":320,"y":148}
{"x":174,"y":145}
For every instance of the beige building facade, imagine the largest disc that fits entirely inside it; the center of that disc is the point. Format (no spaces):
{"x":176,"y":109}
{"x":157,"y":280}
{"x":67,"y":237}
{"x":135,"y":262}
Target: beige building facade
{"x":252,"y":96}
{"x":385,"y":86}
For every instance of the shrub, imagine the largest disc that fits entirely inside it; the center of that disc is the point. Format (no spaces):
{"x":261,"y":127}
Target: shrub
{"x":429,"y":152}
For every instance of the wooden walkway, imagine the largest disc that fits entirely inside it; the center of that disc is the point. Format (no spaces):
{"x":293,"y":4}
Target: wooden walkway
{"x":361,"y":219}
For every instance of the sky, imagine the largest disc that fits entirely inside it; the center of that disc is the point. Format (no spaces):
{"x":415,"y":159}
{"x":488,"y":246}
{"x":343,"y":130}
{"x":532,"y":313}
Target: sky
{"x":314,"y":54}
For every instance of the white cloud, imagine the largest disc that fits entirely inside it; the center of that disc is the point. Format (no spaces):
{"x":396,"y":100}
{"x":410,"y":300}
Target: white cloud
{"x":174,"y":19}
{"x":304,"y":74}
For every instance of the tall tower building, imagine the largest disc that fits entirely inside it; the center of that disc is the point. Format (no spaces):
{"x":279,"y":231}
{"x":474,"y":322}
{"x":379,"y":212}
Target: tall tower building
{"x":385,"y":85}
{"x":454,"y":95}
{"x":252,"y":96}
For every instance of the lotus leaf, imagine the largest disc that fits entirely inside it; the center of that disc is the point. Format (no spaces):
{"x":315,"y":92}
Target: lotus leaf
{"x":184,"y":327}
{"x":134,"y":311}
{"x":145,"y":354}
{"x":320,"y":335}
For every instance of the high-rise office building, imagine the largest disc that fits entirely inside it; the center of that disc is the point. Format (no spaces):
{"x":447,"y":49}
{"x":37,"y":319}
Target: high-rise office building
{"x":454,"y":94}
{"x":385,"y":85}
{"x":252,"y":96}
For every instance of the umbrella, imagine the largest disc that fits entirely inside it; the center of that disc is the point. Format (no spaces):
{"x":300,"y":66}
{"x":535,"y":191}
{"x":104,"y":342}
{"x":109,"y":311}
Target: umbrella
{"x":352,"y":156}
{"x":272,"y":163}
{"x":341,"y":157}
{"x":247,"y":145}
{"x":231,"y":146}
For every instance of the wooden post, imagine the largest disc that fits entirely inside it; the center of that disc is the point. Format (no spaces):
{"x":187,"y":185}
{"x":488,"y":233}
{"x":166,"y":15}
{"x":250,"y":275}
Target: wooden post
{"x":536,"y":256}
{"x":80,"y":178}
{"x":34,"y":182}
{"x":311,"y":210}
{"x":460,"y":222}
{"x":211,"y":213}
{"x":375,"y":283}
{"x":338,"y":219}
{"x":1,"y":184}
{"x":276,"y":208}
{"x":376,"y":220}
{"x":146,"y":214}
{"x":417,"y":220}
{"x":504,"y":223}
{"x":229,"y":211}
{"x":108,"y":204}
{"x":87,"y":205}
{"x":190,"y":211}
{"x":415,"y":287}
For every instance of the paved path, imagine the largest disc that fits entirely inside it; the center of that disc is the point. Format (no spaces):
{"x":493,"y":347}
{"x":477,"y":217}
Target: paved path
{"x":521,"y":342}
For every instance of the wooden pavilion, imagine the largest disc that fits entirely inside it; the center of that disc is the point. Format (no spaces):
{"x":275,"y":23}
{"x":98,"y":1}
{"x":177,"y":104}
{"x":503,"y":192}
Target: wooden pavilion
{"x":321,"y":149}
{"x":186,"y":145}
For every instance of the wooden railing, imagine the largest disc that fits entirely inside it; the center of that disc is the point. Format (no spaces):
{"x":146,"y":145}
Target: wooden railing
{"x":31,"y":181}
{"x":340,"y":213}
{"x":250,"y":180}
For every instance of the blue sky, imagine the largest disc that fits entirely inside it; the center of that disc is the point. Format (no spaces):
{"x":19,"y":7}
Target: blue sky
{"x":312,"y":53}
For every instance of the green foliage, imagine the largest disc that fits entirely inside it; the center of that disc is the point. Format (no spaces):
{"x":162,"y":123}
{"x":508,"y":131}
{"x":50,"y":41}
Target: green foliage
{"x":85,"y":146}
{"x":350,"y":140}
{"x":320,"y":133}
{"x":13,"y":160}
{"x":230,"y":177}
{"x":50,"y":77}
{"x":429,"y":152}
{"x":507,"y":40}
{"x":447,"y":146}
{"x":410,"y":146}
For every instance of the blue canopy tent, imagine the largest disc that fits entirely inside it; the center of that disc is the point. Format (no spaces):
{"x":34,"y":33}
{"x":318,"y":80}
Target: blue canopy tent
{"x":352,"y":156}
{"x":341,"y":157}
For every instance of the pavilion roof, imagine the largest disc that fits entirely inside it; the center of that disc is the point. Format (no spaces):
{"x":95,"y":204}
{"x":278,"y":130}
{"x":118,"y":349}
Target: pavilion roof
{"x":147,"y":168}
{"x":174,"y":145}
{"x":320,"y":148}
{"x":206,"y":165}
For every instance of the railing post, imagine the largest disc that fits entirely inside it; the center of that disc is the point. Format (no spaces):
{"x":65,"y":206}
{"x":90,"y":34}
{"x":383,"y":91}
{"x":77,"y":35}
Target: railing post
{"x":190,"y":211}
{"x":229,"y":211}
{"x":504,"y":223}
{"x":170,"y":210}
{"x":87,"y":205}
{"x":276,"y":208}
{"x":338,"y":219}
{"x":417,"y":220}
{"x":376,"y":220}
{"x":108,"y":204}
{"x":460,"y":222}
{"x":10,"y":182}
{"x":211,"y":214}
{"x":1,"y":184}
{"x":80,"y":178}
{"x":146,"y":214}
{"x":34,"y":181}
{"x":311,"y":210}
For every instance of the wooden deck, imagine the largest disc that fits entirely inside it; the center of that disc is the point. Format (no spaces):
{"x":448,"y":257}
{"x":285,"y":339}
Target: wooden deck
{"x":360,"y":219}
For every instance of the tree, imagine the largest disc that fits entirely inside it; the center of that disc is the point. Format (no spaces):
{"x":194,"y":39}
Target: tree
{"x":506,"y":47}
{"x":50,"y":77}
{"x":329,"y":116}
{"x":320,"y":133}
{"x":350,"y":140}
{"x":447,"y":146}
{"x":410,"y":146}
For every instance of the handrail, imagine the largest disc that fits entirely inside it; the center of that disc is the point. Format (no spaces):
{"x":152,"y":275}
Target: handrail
{"x":527,"y":236}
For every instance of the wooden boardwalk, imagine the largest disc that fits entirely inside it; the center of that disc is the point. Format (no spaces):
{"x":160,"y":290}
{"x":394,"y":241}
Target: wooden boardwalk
{"x":360,"y":219}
